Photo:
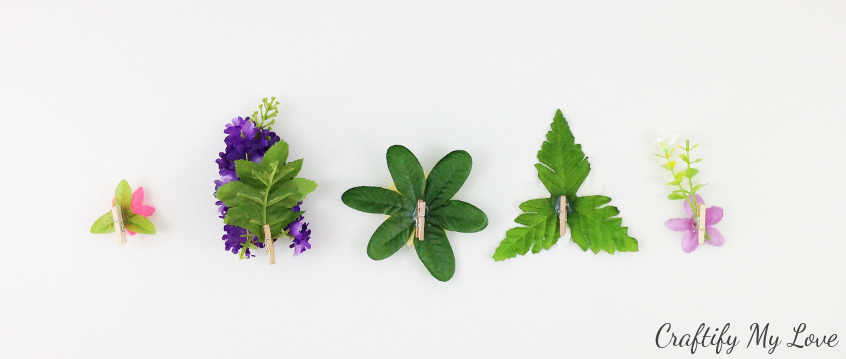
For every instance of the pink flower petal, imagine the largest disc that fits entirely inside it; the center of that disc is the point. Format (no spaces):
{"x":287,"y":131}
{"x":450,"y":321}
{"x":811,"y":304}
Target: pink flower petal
{"x":680,"y":224}
{"x":131,"y":233}
{"x":689,"y":242}
{"x":137,"y":203}
{"x":713,"y":215}
{"x":716,"y":237}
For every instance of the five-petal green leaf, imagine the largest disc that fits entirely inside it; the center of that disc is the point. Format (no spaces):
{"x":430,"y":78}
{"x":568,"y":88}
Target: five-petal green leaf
{"x":562,"y":169}
{"x":442,"y":213}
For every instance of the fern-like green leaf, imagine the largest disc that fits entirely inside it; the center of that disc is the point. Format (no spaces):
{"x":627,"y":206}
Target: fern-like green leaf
{"x":562,"y":169}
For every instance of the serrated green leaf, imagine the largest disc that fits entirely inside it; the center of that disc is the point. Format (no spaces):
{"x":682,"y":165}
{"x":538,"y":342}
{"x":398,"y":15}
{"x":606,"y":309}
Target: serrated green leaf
{"x":288,"y":171}
{"x":103,"y":224}
{"x":563,"y":165}
{"x":123,"y":195}
{"x":377,"y":200}
{"x":265,"y":193}
{"x":458,"y":216}
{"x":436,"y":253}
{"x":691,"y":172}
{"x":447,"y":177}
{"x":541,"y":231}
{"x":406,"y":172}
{"x":595,"y":226}
{"x":238,"y":193}
{"x":139,"y":224}
{"x":277,"y":153}
{"x":390,"y":237}
{"x":248,"y":173}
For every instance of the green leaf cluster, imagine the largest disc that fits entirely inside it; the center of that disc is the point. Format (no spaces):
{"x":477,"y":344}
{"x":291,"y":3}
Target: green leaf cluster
{"x":131,"y":221}
{"x":265,"y":194}
{"x":683,"y":176}
{"x":442,"y":212}
{"x":562,"y":169}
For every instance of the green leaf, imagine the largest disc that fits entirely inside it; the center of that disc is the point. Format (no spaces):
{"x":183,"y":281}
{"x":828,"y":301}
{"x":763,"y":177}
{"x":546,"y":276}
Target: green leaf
{"x":406,"y":172}
{"x":378,"y":200}
{"x":265,"y":193}
{"x":596,"y":226}
{"x":541,"y":231}
{"x":248,"y":172}
{"x":684,"y":158}
{"x":103,"y":224}
{"x":675,"y":196}
{"x":390,"y":237}
{"x":669,"y":165}
{"x":697,"y":187}
{"x":436,"y":253}
{"x":563,"y":165}
{"x":458,"y":216}
{"x":277,"y":153}
{"x":447,"y":177}
{"x":691,"y":172}
{"x":123,"y":195}
{"x":697,"y":160}
{"x":139,"y":224}
{"x":679,"y":176}
{"x":442,"y":213}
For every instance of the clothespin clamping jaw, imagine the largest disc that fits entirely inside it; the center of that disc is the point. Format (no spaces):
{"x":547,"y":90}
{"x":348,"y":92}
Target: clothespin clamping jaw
{"x":700,"y":222}
{"x":421,"y":220}
{"x":562,"y":215}
{"x":117,"y":219}
{"x":268,"y":244}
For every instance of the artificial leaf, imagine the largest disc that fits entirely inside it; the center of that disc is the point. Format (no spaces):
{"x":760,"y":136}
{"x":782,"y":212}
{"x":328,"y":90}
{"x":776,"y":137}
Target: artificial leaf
{"x":391,"y":235}
{"x":436,"y":253}
{"x":562,"y":169}
{"x":265,"y":193}
{"x":376,"y":200}
{"x":691,"y":172}
{"x":139,"y":224}
{"x":442,"y":213}
{"x":595,"y":226}
{"x":103,"y":224}
{"x":458,"y":216}
{"x":539,"y":215}
{"x":447,"y":177}
{"x":123,"y":195}
{"x":406,"y":172}
{"x":563,"y":166}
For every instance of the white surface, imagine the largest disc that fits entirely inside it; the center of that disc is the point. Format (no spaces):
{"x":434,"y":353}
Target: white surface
{"x":95,"y":92}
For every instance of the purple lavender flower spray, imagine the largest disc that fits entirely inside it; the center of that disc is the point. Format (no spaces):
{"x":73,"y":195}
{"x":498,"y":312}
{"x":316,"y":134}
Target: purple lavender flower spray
{"x":249,"y":139}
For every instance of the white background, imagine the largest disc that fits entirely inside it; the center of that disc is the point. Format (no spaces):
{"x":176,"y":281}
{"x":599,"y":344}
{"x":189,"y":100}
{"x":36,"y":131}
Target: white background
{"x":96,"y":92}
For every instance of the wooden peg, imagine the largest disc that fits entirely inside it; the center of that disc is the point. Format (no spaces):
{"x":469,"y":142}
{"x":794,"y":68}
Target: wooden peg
{"x":268,"y":244}
{"x":700,"y":222}
{"x":421,"y":219}
{"x":562,"y":215}
{"x":117,"y":219}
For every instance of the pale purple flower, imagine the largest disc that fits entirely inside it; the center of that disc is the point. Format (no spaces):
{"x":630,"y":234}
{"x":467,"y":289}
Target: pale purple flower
{"x":690,"y":240}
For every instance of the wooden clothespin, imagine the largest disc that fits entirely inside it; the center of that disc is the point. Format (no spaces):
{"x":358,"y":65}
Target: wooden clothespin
{"x":562,"y":215}
{"x":421,"y":219}
{"x":117,"y":219}
{"x":700,"y":222}
{"x":268,"y":244}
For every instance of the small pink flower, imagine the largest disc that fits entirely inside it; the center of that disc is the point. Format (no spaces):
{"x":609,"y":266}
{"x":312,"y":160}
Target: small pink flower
{"x":137,"y":206}
{"x":690,"y":241}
